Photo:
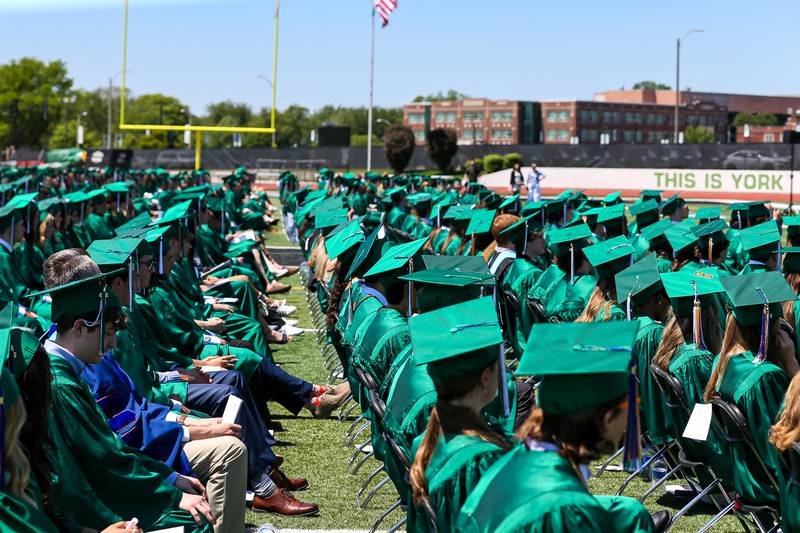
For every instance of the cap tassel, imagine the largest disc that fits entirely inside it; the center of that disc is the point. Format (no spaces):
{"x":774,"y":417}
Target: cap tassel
{"x":118,"y":203}
{"x":525,"y":243}
{"x":28,"y":220}
{"x":2,"y":440}
{"x":697,"y":320}
{"x":710,"y":250}
{"x":102,"y":318}
{"x":223,"y":223}
{"x":82,"y":206}
{"x":130,"y":283}
{"x":779,"y":264}
{"x":408,"y":288}
{"x":12,"y":230}
{"x":161,"y":255}
{"x":764,"y":342}
{"x":632,"y":458}
{"x":571,"y":263}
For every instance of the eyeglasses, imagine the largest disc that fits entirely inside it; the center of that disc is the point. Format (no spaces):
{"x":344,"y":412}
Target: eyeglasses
{"x":149,"y":265}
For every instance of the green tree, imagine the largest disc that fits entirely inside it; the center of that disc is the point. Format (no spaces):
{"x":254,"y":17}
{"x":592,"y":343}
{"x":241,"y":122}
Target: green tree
{"x":450,"y":96}
{"x":651,"y":85}
{"x":755,"y":119}
{"x":225,"y":113}
{"x":398,"y":145}
{"x":35,"y":93}
{"x":155,"y":108}
{"x":442,"y":147}
{"x":492,"y":163}
{"x":698,"y":135}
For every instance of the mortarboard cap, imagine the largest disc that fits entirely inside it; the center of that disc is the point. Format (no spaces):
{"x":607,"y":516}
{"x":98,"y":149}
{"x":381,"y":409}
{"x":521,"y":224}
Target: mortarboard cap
{"x":609,"y":257}
{"x":639,"y":282}
{"x":705,"y":214}
{"x":456,"y":341}
{"x":347,"y":239}
{"x":583,"y":365}
{"x":748,"y":293}
{"x":560,"y":239}
{"x":680,"y":236}
{"x":671,"y":204}
{"x":762,"y":240}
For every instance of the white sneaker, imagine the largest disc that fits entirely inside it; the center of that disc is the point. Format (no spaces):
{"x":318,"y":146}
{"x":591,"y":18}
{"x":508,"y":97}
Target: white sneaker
{"x":291,"y":330}
{"x":286,"y":310}
{"x":290,"y":321}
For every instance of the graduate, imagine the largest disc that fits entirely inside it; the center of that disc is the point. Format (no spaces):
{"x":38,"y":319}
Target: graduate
{"x":608,"y":258}
{"x":540,"y":485}
{"x":783,"y":435}
{"x":752,"y":372}
{"x":641,"y":291}
{"x":460,"y":344}
{"x":99,"y":479}
{"x":762,"y":244}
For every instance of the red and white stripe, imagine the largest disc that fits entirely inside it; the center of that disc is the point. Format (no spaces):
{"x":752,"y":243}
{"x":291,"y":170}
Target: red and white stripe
{"x":384,"y":9}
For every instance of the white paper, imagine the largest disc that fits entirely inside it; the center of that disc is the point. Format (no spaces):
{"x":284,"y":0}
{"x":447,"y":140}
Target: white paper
{"x":699,"y":422}
{"x":231,"y":410}
{"x":208,"y":368}
{"x":177,"y":529}
{"x":227,"y":300}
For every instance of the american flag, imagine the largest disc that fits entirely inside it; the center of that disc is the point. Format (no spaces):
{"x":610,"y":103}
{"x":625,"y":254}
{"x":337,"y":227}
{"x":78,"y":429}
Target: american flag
{"x":384,"y":9}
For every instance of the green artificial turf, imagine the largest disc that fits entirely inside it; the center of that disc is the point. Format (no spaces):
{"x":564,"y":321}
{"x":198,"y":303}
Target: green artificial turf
{"x":314,"y":449}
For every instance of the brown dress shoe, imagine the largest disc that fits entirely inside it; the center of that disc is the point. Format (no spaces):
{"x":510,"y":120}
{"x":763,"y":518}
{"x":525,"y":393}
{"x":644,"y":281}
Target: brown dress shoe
{"x":283,"y":503}
{"x":331,"y":400}
{"x":277,"y":287}
{"x":285,"y":482}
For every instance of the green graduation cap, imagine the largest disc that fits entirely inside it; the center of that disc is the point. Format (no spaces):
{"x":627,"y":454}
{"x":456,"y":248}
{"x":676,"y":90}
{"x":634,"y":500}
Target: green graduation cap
{"x":790,"y":260}
{"x":21,"y":201}
{"x":508,"y":202}
{"x":609,"y":257}
{"x":117,"y":255}
{"x":711,"y":234}
{"x":651,"y":194}
{"x":82,"y":297}
{"x":480,"y":222}
{"x":465,"y":265}
{"x":532,"y":207}
{"x":646,"y":213}
{"x":97,"y":196}
{"x":655,"y":233}
{"x":419,"y":199}
{"x":672,"y":204}
{"x":368,"y":253}
{"x":707,"y":214}
{"x":520,"y":230}
{"x":680,"y":236}
{"x":173,"y":214}
{"x":347,"y":239}
{"x":117,"y":187}
{"x":762,"y":240}
{"x":613,"y":198}
{"x":395,"y":193}
{"x":458,"y":340}
{"x":691,"y":292}
{"x":396,"y":257}
{"x":583,"y":364}
{"x":639,"y":282}
{"x":445,"y":287}
{"x":756,"y":298}
{"x":23,"y":344}
{"x":327,"y":220}
{"x":574,"y":237}
{"x":613,"y":214}
{"x":134,"y":225}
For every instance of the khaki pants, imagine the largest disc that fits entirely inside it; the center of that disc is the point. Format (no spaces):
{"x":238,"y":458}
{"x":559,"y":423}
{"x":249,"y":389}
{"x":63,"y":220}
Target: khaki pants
{"x":221,"y":464}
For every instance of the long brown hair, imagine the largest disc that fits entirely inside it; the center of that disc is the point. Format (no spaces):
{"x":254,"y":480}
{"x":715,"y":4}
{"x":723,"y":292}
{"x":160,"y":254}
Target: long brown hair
{"x":786,"y":430}
{"x":579,"y":436}
{"x":735,"y":334}
{"x":678,"y":330}
{"x":603,"y":298}
{"x":793,"y":278}
{"x":17,"y":466}
{"x":448,"y":418}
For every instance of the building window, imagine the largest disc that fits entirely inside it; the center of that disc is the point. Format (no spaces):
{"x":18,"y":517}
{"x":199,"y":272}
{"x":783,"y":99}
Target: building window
{"x":595,"y":117}
{"x":472,"y":116}
{"x":448,"y":117}
{"x":563,"y":116}
{"x":691,"y":120}
{"x":651,"y":119}
{"x":419,"y":135}
{"x":501,"y":134}
{"x":551,"y":135}
{"x":502,"y":116}
{"x":416,"y":118}
{"x":563,"y":135}
{"x":470,"y":135}
{"x":589,"y":135}
{"x":659,"y":120}
{"x":552,"y":116}
{"x":629,"y":118}
{"x":769,"y":137}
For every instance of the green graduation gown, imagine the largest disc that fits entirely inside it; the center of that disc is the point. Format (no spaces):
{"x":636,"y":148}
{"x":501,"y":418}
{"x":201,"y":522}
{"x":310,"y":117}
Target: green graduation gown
{"x":520,"y":277}
{"x":536,"y":490}
{"x":98,"y":479}
{"x":647,"y":340}
{"x":97,"y":227}
{"x":18,"y":514}
{"x":454,"y":470}
{"x":758,"y":391}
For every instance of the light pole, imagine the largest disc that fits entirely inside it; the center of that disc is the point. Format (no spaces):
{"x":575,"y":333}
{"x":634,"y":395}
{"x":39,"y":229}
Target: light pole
{"x":678,"y":80}
{"x":271,"y":86}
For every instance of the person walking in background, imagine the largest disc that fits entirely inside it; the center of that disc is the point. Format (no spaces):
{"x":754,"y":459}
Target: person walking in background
{"x":516,"y":179}
{"x":533,"y":183}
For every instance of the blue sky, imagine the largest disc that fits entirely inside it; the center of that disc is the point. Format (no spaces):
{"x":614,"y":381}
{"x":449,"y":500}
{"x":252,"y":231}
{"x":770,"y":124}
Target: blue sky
{"x":208,"y":50}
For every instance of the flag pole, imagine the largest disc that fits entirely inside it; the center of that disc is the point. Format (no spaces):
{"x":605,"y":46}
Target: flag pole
{"x":371,"y":83}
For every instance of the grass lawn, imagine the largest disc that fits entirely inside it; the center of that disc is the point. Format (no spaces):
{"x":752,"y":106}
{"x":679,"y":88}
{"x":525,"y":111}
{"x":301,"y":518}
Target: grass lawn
{"x":314,"y":449}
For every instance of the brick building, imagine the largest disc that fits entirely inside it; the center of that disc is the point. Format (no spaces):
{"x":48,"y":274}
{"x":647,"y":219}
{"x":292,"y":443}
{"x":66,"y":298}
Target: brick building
{"x":477,"y":120}
{"x":592,"y":122}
